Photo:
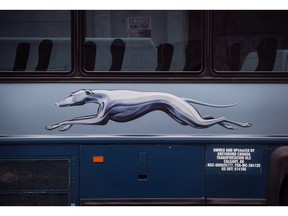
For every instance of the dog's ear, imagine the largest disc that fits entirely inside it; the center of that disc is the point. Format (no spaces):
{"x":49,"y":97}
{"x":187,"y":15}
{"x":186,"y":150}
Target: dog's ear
{"x":88,"y":92}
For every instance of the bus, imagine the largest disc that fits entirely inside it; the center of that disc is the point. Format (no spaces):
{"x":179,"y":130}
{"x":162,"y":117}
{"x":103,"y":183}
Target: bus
{"x":143,"y":107}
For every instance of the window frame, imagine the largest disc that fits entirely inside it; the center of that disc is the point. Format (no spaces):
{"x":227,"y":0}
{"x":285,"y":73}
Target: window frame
{"x":6,"y":75}
{"x":263,"y":76}
{"x":142,"y":75}
{"x":77,"y":74}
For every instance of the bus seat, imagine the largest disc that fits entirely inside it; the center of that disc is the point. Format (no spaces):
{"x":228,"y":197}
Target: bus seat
{"x":44,"y":55}
{"x":164,"y":56}
{"x":233,"y":51}
{"x":266,"y":51}
{"x":193,"y":56}
{"x":117,"y":52}
{"x":89,"y":55}
{"x":21,"y":58}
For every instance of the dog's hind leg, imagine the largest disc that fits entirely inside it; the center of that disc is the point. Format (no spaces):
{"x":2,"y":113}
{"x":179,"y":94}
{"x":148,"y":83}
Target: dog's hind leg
{"x":241,"y":124}
{"x":205,"y":123}
{"x":176,"y":119}
{"x":223,"y":124}
{"x":207,"y":117}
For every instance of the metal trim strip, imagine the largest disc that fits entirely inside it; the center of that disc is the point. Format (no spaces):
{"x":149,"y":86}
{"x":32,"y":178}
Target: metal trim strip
{"x":236,"y":201}
{"x":143,"y":201}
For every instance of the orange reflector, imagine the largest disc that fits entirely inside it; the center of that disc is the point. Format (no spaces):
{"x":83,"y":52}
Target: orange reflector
{"x":98,"y":159}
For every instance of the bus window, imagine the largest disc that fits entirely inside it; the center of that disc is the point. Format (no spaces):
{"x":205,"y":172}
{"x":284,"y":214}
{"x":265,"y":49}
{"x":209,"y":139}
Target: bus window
{"x":143,"y":41}
{"x":250,"y":41}
{"x":35,"y":41}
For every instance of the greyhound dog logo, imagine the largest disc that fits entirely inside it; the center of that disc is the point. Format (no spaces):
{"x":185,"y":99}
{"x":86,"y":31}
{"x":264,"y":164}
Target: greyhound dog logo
{"x":125,"y":105}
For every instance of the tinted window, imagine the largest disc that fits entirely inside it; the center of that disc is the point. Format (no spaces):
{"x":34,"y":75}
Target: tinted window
{"x":250,"y":41}
{"x":35,"y":41}
{"x":143,"y":41}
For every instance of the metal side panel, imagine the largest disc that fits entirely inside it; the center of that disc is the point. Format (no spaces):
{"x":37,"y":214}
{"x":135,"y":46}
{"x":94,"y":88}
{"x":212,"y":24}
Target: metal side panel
{"x":134,"y":172}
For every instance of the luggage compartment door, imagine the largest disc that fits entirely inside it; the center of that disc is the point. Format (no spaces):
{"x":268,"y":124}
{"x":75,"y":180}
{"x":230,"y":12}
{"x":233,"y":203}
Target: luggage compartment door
{"x":152,"y":174}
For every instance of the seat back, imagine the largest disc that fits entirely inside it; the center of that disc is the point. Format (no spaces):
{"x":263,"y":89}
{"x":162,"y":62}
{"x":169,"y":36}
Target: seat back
{"x":164,"y":57}
{"x":21,"y":58}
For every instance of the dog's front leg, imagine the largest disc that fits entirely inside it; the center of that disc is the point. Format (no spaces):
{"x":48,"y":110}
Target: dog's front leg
{"x":85,"y":120}
{"x":63,"y":126}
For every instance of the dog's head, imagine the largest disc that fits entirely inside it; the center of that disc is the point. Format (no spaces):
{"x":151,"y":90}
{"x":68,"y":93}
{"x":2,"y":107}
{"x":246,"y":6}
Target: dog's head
{"x":77,"y":98}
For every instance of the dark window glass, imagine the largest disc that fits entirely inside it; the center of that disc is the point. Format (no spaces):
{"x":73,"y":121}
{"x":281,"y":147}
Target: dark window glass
{"x":250,"y":41}
{"x":35,"y":41}
{"x":143,"y":41}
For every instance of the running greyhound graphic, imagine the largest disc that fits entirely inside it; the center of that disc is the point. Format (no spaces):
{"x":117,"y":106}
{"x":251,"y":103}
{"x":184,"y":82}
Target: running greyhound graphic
{"x":126,"y":105}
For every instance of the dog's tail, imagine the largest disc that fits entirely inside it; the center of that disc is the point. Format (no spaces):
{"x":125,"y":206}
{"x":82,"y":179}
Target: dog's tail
{"x":207,"y":104}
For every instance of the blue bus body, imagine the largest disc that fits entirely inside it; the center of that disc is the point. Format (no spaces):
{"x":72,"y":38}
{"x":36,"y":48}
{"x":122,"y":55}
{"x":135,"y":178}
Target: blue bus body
{"x":180,"y":164}
{"x":143,"y":150}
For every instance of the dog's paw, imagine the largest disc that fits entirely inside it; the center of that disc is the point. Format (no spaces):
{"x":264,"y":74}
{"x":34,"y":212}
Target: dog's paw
{"x":246,"y":124}
{"x":229,"y":126}
{"x":65,"y":127}
{"x":50,"y":127}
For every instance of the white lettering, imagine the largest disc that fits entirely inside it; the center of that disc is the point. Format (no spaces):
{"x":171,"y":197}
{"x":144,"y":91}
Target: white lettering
{"x":234,"y":159}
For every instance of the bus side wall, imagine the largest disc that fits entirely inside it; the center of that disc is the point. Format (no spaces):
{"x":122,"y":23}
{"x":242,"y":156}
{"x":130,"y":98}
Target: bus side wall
{"x":26,"y":109}
{"x":166,"y":159}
